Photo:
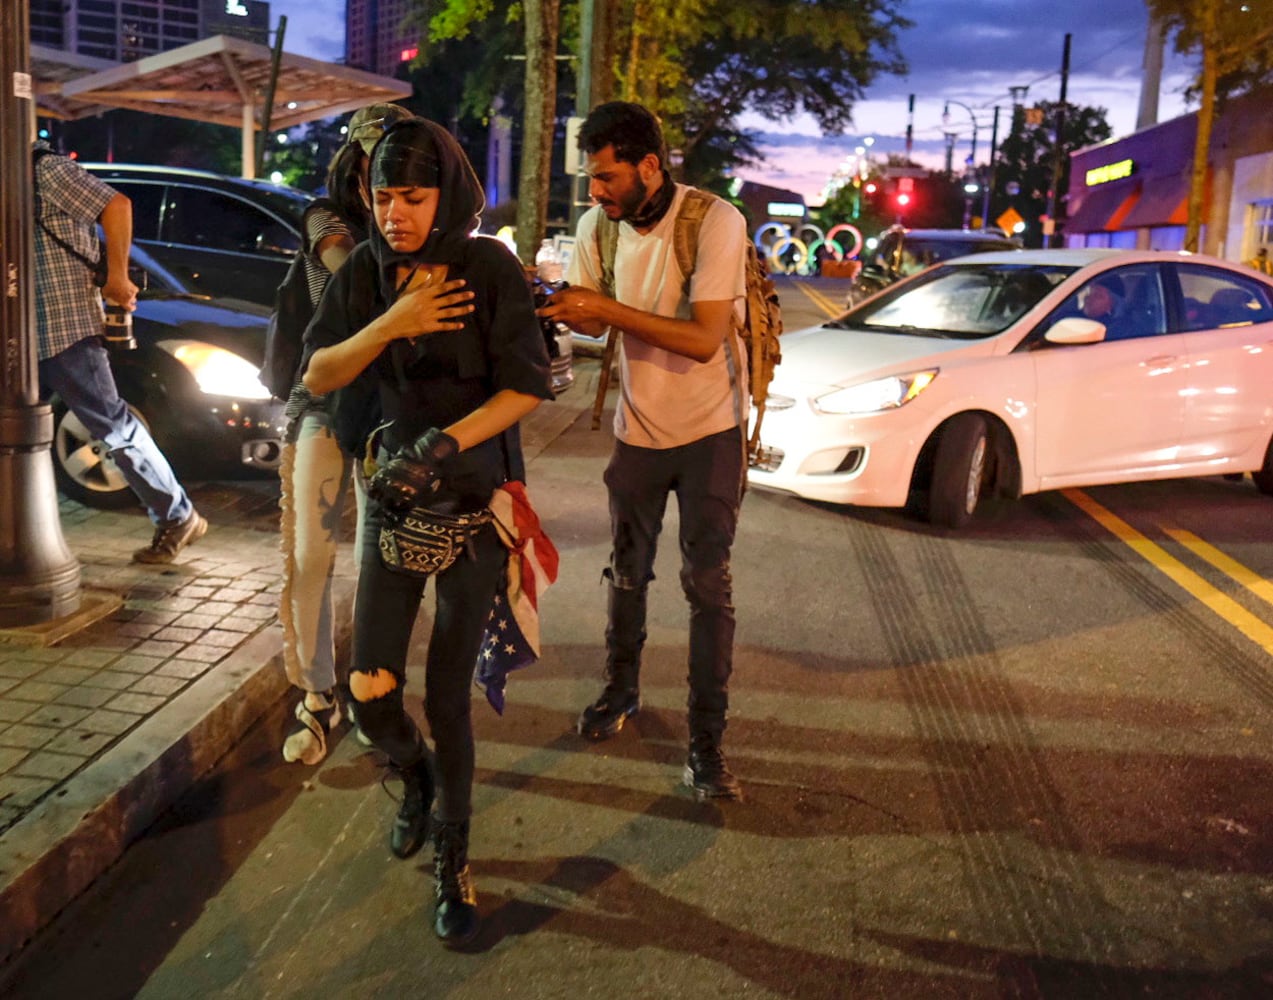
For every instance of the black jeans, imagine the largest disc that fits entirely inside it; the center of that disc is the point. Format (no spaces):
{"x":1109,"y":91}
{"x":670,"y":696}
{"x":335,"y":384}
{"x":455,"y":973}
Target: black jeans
{"x":707,"y":477}
{"x":384,"y":615}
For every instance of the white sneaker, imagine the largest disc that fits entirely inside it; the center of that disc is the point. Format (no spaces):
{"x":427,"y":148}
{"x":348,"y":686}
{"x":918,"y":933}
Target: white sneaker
{"x":316,"y":715}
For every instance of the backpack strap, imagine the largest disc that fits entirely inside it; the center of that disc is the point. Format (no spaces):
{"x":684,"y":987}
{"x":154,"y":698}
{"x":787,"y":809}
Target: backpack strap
{"x":98,"y":267}
{"x":607,"y":233}
{"x":689,"y":221}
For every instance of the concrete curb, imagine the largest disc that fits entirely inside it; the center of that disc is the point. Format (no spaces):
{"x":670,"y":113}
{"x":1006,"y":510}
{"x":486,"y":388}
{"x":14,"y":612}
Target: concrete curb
{"x":57,"y":850}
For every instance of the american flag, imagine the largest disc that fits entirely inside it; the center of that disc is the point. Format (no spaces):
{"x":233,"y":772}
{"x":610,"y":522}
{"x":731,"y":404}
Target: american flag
{"x":511,"y":640}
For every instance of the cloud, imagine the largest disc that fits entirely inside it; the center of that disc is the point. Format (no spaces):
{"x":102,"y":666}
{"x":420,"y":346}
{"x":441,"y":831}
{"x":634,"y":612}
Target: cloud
{"x":972,"y":54}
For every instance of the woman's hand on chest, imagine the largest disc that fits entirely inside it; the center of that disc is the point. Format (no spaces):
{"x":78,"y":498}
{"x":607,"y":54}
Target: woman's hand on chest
{"x":427,"y":303}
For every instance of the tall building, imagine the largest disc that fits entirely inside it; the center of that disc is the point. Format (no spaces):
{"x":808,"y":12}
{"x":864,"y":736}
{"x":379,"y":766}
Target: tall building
{"x":127,"y":30}
{"x":377,"y":37}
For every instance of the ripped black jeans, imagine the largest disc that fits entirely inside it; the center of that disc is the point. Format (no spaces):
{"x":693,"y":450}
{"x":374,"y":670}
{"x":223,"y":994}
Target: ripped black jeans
{"x":384,"y":615}
{"x":707,"y":478}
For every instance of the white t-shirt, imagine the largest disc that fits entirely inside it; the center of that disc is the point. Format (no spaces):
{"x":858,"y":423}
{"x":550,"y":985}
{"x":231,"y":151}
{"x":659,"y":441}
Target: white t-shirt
{"x":666,"y":399}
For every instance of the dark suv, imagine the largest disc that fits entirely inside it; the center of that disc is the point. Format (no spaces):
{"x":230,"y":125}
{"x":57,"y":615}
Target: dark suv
{"x":227,"y":237}
{"x":901,"y":251}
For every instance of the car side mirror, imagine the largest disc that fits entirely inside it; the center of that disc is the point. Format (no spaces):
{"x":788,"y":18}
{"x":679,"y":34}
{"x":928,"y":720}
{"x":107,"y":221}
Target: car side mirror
{"x":139,"y":276}
{"x":1075,"y":330}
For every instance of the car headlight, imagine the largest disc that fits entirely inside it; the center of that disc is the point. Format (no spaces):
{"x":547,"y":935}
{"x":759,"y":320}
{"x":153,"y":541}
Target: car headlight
{"x":881,"y":394}
{"x":217,"y":371}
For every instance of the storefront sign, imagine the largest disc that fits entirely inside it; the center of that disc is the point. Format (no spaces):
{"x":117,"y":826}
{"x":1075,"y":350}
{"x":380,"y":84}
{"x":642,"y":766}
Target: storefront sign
{"x":1110,"y":172}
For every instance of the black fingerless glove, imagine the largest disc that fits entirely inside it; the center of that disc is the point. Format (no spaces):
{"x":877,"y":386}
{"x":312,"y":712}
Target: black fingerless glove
{"x":414,"y":474}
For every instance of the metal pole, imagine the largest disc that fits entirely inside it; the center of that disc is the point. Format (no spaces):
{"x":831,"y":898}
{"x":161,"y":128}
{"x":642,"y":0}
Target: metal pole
{"x":268,"y":111}
{"x":39,"y":578}
{"x":990,"y":173}
{"x":579,"y":200}
{"x":1059,"y":146}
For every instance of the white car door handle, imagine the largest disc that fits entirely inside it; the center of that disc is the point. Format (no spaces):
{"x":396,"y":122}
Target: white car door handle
{"x":1163,"y":359}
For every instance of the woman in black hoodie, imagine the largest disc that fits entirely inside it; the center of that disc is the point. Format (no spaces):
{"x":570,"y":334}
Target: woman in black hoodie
{"x":444,"y":321}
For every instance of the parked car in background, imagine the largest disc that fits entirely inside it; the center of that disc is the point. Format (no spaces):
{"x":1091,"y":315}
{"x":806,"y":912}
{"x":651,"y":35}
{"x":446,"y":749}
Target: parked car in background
{"x":900,"y":252}
{"x":988,"y":376}
{"x":193,"y":379}
{"x":219,"y":235}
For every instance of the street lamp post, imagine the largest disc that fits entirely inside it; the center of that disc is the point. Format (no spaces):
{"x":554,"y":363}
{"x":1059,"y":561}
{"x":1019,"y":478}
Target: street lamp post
{"x":39,"y":578}
{"x":972,"y":155}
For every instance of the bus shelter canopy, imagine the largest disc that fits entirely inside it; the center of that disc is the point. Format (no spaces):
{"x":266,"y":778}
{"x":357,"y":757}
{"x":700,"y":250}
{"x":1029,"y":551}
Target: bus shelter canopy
{"x":222,"y":80}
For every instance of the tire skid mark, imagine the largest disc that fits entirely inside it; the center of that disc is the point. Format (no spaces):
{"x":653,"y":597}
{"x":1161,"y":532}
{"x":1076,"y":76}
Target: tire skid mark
{"x":1068,"y":891}
{"x":978,"y":791}
{"x":1235,"y":658}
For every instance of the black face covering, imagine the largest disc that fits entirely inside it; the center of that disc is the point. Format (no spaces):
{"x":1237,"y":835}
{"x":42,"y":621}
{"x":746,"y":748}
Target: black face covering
{"x":652,"y":211}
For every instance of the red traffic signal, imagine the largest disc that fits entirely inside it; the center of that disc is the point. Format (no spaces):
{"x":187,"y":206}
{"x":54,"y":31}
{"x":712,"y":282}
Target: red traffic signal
{"x":903,"y":199}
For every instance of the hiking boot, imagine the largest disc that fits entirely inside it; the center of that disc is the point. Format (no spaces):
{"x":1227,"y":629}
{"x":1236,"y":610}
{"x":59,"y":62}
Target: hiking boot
{"x":709,"y":776}
{"x":606,"y":716}
{"x":455,"y":920}
{"x":170,"y":538}
{"x":411,"y":826}
{"x":317,"y":714}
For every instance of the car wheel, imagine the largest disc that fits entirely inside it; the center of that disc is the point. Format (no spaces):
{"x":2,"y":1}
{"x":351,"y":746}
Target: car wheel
{"x":82,"y":466}
{"x":1264,"y":478}
{"x":959,"y":469}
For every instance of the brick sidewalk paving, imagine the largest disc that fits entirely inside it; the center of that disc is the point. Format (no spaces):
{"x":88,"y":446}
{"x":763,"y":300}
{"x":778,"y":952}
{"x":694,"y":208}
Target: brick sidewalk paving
{"x":62,"y":705}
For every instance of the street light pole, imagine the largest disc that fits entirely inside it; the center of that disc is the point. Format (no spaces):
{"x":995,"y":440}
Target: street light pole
{"x":39,"y":578}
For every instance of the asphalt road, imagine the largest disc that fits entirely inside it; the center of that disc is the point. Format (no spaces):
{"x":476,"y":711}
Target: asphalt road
{"x":1031,"y":759}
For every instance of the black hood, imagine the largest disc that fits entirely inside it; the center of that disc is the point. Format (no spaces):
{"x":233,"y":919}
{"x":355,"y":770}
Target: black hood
{"x":418,"y":149}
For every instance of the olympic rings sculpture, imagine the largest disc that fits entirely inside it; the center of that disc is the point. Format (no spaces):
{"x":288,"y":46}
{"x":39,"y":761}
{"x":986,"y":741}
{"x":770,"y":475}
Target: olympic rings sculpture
{"x":789,"y":253}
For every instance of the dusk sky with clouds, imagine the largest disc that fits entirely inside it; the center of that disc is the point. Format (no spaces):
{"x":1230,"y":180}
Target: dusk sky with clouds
{"x":972,"y":51}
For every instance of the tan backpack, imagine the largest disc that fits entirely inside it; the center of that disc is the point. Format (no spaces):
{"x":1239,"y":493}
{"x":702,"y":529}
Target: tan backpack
{"x":762,"y":319}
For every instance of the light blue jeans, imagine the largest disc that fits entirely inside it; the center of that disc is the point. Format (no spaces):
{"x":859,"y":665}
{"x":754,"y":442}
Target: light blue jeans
{"x":82,"y":376}
{"x":315,"y":475}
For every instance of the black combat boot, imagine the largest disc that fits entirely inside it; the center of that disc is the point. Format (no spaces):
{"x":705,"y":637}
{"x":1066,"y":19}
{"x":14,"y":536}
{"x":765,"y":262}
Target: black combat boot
{"x":455,"y":920}
{"x":707,"y":773}
{"x":411,"y":826}
{"x":625,"y":638}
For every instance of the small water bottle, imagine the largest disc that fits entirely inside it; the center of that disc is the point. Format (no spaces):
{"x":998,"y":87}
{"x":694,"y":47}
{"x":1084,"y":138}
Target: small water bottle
{"x":117,"y":328}
{"x":547,"y":263}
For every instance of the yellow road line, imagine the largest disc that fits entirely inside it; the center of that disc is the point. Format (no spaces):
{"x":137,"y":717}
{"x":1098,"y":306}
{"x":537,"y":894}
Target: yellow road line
{"x":818,"y":299}
{"x":1227,"y":565}
{"x":1221,"y":604}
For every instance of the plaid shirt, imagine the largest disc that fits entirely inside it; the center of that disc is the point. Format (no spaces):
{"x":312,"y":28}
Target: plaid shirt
{"x":68,"y":306}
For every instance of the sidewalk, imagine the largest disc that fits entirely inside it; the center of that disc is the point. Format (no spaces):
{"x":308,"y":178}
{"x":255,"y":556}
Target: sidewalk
{"x":102,"y":730}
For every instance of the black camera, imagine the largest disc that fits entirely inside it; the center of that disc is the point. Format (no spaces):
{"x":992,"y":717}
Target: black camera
{"x":543,"y":291}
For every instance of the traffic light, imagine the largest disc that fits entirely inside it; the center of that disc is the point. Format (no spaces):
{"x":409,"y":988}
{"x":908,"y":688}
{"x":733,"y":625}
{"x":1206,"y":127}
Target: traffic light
{"x":903,"y":199}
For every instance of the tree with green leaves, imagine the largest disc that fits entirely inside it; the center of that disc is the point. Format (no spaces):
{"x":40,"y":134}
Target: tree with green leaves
{"x":1234,"y":40}
{"x":1026,"y":159}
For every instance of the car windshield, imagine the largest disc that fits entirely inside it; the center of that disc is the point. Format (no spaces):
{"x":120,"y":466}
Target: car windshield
{"x":962,"y":301}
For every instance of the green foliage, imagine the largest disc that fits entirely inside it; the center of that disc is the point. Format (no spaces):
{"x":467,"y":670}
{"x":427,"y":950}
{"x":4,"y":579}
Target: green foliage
{"x":1027,"y":157}
{"x":1238,"y":33}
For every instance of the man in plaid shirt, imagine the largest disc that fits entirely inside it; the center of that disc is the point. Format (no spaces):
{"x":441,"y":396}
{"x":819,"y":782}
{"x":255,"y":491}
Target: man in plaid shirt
{"x":73,"y":360}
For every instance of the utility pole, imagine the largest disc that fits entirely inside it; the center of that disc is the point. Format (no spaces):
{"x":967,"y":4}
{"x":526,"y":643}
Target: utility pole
{"x":990,"y":172}
{"x":271,"y":86}
{"x":910,"y":130}
{"x":39,"y":578}
{"x":584,"y":76}
{"x":1058,"y":147}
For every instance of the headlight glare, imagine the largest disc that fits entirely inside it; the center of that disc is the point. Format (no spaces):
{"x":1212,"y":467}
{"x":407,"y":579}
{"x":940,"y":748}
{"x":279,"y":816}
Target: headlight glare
{"x":875,"y":396}
{"x":217,"y":371}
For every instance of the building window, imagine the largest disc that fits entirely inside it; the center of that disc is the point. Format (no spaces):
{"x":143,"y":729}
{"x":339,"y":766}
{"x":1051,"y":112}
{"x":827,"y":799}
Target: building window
{"x":1261,"y":233}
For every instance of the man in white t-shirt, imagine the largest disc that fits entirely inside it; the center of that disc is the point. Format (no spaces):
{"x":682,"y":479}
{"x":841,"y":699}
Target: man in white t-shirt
{"x":681,"y":419}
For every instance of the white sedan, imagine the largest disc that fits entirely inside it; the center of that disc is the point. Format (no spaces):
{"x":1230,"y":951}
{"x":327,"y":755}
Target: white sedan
{"x":1012,"y":373}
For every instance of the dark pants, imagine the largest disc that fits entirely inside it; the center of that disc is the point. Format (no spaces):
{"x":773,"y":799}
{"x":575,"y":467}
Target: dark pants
{"x":707,"y":477}
{"x":384,"y":615}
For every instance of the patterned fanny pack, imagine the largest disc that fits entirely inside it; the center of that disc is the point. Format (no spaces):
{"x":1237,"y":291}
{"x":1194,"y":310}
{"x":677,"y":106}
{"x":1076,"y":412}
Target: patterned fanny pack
{"x":422,"y":541}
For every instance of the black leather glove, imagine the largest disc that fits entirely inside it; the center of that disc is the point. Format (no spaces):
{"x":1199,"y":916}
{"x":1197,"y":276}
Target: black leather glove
{"x":414,"y":474}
